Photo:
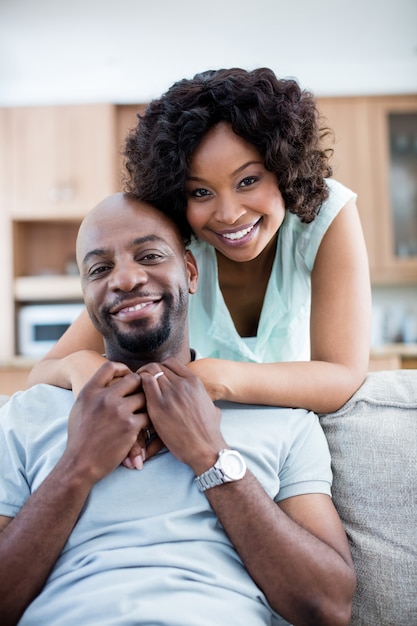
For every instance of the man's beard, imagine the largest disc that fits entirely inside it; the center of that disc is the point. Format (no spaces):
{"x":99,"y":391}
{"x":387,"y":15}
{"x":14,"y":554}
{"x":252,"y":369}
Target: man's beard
{"x":142,"y":341}
{"x":146,"y":342}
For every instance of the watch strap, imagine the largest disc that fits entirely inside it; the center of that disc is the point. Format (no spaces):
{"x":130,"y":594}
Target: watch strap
{"x":215,"y":475}
{"x":211,"y":478}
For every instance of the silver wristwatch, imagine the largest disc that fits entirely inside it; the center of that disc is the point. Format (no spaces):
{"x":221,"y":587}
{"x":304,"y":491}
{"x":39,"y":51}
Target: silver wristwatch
{"x":230,"y":466}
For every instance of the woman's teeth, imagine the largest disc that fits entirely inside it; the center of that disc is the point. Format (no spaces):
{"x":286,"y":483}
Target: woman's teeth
{"x":238,"y":235}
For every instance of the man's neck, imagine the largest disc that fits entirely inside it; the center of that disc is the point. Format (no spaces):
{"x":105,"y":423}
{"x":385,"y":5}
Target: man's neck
{"x":134,"y":361}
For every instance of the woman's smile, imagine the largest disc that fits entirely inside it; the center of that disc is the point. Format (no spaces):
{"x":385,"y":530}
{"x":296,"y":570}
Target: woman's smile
{"x":239,"y":235}
{"x":233,"y":201}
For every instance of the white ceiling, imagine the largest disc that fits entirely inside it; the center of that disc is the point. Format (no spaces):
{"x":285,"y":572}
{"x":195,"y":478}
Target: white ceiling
{"x":69,"y":51}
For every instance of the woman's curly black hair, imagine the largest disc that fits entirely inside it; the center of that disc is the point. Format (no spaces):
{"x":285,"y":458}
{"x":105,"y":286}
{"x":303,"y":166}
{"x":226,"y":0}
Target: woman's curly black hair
{"x":275,"y":115}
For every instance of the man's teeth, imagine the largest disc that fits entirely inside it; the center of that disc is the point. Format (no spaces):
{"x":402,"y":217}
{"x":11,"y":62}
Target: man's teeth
{"x":238,"y":235}
{"x":137,"y":307}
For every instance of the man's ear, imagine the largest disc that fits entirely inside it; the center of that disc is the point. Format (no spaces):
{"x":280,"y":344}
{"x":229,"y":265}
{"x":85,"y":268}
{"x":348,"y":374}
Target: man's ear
{"x":192,"y":271}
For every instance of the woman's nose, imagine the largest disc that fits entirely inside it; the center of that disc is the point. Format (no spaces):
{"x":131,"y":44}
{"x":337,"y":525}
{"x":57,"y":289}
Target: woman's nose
{"x":228,"y":210}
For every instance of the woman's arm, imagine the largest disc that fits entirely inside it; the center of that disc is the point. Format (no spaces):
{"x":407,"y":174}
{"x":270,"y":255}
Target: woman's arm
{"x":74,"y":358}
{"x":339,"y":328}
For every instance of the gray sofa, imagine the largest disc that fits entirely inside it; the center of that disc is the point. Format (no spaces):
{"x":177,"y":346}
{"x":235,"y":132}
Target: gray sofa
{"x":373,"y":443}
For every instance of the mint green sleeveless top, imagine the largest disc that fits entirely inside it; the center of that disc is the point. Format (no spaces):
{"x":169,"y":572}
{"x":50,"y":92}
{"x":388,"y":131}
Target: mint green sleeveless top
{"x":284,"y":326}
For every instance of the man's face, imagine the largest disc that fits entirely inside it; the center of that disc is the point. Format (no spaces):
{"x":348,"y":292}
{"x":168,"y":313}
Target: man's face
{"x":136,"y":278}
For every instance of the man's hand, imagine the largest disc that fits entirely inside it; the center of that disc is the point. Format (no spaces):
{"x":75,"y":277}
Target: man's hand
{"x":183,"y":414}
{"x":105,"y":420}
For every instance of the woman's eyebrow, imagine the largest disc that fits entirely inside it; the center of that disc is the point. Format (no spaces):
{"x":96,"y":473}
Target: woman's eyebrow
{"x":197,"y":179}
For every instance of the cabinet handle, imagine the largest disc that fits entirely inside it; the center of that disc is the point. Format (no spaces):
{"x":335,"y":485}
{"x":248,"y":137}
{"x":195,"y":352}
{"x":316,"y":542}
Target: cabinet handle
{"x":61,"y":194}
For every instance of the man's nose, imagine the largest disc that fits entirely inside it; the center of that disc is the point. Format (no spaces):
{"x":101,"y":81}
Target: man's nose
{"x":128,"y":276}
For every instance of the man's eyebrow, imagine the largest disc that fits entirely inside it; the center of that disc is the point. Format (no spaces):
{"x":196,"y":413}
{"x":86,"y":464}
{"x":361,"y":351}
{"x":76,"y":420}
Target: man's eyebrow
{"x":136,"y":242}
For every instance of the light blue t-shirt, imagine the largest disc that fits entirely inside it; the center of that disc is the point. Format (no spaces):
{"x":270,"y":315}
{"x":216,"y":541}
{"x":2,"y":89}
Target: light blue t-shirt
{"x":147,"y":548}
{"x":284,"y":326}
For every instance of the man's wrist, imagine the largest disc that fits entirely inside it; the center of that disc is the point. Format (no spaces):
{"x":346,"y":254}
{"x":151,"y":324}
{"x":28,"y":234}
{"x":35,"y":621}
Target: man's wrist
{"x":229,"y":467}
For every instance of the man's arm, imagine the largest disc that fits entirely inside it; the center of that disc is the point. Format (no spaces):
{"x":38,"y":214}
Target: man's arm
{"x":296,"y":552}
{"x":102,"y":427}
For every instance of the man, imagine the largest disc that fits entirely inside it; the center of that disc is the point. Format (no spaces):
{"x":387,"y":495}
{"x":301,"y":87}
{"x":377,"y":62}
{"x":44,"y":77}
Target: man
{"x":86,"y":540}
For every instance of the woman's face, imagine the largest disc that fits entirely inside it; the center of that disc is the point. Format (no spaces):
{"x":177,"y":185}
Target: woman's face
{"x":233,"y":202}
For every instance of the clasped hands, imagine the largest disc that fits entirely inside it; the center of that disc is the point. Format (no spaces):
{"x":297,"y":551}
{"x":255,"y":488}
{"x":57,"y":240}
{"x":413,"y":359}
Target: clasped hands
{"x":116,"y":407}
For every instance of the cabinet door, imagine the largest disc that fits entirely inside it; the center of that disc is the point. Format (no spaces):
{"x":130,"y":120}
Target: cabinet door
{"x":63,"y":160}
{"x":352,"y":163}
{"x":126,"y":120}
{"x":394,"y":127}
{"x":6,"y":285}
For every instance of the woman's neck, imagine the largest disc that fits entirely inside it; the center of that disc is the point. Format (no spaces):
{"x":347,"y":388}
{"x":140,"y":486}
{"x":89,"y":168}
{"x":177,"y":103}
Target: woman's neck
{"x":243,"y":285}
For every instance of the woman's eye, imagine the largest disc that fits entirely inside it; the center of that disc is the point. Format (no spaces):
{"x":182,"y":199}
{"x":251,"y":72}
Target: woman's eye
{"x":247,"y":181}
{"x":200,"y":193}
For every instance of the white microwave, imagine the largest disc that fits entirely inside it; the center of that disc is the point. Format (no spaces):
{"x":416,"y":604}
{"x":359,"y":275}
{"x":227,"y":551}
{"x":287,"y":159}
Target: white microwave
{"x":41,"y":325}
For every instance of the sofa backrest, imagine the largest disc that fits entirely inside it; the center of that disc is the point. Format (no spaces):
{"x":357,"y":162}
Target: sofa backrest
{"x":373,"y":444}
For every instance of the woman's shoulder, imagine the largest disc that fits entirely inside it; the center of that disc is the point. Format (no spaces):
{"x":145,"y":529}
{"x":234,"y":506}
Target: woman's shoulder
{"x":339,"y":194}
{"x":305,"y":238}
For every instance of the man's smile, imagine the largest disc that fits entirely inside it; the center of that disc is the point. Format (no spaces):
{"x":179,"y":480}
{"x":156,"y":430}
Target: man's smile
{"x":128,"y":312}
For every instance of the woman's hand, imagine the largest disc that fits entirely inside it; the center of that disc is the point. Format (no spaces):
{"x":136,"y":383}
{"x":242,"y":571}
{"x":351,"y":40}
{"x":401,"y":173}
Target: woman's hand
{"x":81,"y":367}
{"x":142,"y":451}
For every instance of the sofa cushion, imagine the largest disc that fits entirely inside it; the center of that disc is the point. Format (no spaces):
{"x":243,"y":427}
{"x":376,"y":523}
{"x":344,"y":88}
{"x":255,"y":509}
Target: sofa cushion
{"x":373,"y":444}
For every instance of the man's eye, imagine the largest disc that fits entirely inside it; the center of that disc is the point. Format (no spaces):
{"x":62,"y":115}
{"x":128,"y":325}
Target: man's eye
{"x":99,"y":269}
{"x":247,"y":181}
{"x":151,"y":257}
{"x":200,"y":193}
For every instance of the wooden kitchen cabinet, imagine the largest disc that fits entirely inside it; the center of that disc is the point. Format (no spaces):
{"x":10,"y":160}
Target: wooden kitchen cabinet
{"x":62,"y":159}
{"x":395,"y":132}
{"x":125,"y":121}
{"x":56,"y":163}
{"x":6,"y":251}
{"x":364,"y":160}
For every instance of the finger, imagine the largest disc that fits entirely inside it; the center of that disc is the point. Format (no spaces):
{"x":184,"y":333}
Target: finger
{"x":135,"y":403}
{"x":108,"y":371}
{"x":136,"y":456}
{"x":153,"y":369}
{"x":155,"y":446}
{"x":128,"y":384}
{"x":178,"y":368}
{"x":169,"y":365}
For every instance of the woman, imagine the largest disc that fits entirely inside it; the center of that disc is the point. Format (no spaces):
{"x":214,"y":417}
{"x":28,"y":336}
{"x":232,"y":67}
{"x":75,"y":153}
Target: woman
{"x":283,"y":306}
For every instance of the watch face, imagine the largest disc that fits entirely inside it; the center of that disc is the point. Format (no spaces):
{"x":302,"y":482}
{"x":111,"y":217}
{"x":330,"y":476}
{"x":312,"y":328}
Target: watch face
{"x":233,"y":464}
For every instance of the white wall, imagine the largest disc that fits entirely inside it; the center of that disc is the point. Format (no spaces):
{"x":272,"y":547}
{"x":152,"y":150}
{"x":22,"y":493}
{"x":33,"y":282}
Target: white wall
{"x":69,"y":51}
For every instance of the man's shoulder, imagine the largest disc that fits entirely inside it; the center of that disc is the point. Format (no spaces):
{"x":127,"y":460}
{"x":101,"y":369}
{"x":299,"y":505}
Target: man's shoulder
{"x":293,"y":418}
{"x":40,"y":399}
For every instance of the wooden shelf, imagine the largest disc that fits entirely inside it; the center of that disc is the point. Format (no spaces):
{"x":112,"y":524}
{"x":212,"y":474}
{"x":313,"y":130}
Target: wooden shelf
{"x":48,"y":288}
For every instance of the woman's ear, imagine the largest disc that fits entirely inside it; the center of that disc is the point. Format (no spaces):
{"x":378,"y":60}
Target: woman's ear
{"x":192,"y":271}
